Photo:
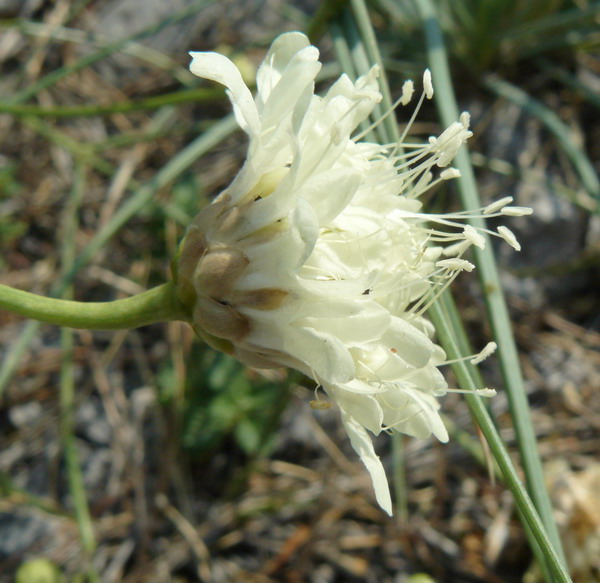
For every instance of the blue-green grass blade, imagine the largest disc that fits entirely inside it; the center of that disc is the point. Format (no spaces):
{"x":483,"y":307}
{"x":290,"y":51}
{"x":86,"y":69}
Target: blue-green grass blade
{"x":490,"y":282}
{"x":551,"y":562}
{"x":582,"y":164}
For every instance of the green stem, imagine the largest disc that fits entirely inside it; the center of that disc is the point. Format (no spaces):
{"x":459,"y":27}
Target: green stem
{"x":488,"y":274}
{"x":158,"y":304}
{"x":68,"y":230}
{"x":74,"y":475}
{"x":439,"y":314}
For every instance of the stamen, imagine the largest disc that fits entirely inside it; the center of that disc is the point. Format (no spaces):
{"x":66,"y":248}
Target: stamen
{"x":444,"y":276}
{"x":497,"y":205}
{"x":427,"y":92}
{"x":450,"y":173}
{"x":425,"y":182}
{"x":427,"y":84}
{"x":474,"y":237}
{"x":506,"y":234}
{"x":453,"y":220}
{"x":455,"y":264}
{"x":457,"y":249}
{"x":407,"y":92}
{"x":485,"y":392}
{"x":516,"y":211}
{"x":450,"y":140}
{"x":487,"y":351}
{"x":377,"y":122}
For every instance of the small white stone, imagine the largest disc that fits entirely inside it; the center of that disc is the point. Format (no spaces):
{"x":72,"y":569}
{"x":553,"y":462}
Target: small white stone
{"x":25,"y":414}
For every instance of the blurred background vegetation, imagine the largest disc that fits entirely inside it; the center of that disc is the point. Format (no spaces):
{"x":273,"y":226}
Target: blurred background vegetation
{"x":145,"y":456}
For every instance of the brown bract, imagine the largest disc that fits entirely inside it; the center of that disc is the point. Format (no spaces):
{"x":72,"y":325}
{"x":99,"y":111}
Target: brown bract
{"x":207,"y":275}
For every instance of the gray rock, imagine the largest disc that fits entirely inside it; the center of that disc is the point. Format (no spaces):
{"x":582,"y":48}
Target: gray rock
{"x":91,"y":422}
{"x":20,"y":531}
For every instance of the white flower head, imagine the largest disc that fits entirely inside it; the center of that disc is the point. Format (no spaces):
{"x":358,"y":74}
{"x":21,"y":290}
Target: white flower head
{"x":318,"y":257}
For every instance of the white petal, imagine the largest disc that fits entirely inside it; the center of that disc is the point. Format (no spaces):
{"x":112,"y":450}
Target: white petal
{"x":326,"y":355}
{"x":330,"y":299}
{"x":219,"y":68}
{"x":361,"y":442}
{"x":410,"y":343}
{"x":413,"y":412}
{"x":330,"y":192}
{"x":364,"y":409}
{"x":368,"y":324}
{"x":430,"y":416}
{"x":430,"y":380}
{"x":306,"y":223}
{"x":284,"y":47}
{"x":363,"y":388}
{"x":289,"y":96}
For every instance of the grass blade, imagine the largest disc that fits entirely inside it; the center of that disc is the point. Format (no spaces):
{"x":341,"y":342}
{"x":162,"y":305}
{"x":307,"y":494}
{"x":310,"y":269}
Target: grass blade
{"x":67,"y":387}
{"x":52,"y":78}
{"x":490,"y":282}
{"x":542,"y":545}
{"x":581,"y":163}
{"x":155,"y":102}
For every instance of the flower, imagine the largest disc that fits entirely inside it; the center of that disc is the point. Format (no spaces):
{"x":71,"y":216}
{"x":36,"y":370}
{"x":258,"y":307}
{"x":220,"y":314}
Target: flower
{"x":318,"y":256}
